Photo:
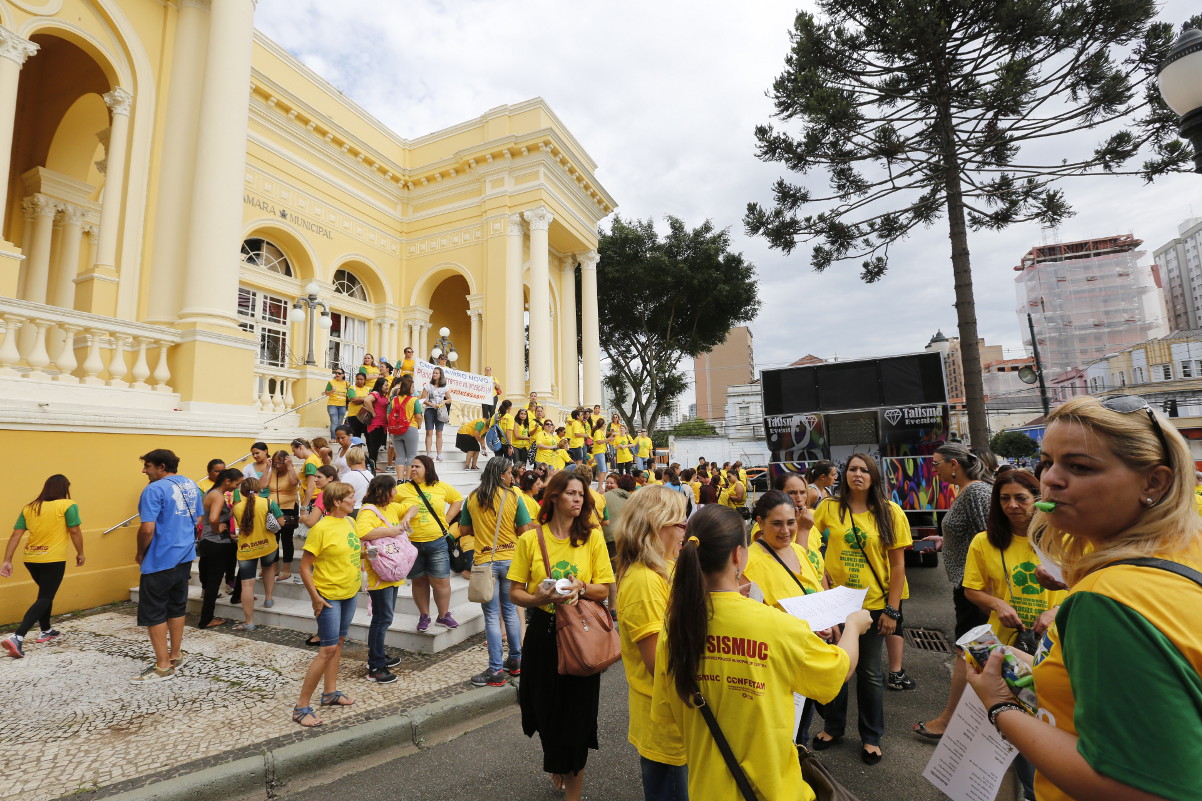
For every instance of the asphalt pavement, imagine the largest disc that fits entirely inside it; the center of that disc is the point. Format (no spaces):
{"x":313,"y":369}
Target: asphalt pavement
{"x":498,"y":761}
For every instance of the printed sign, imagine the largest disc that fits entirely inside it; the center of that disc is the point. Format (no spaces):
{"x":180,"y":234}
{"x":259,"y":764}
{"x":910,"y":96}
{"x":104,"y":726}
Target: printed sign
{"x":795,"y":437}
{"x":464,"y":387}
{"x":913,"y":430}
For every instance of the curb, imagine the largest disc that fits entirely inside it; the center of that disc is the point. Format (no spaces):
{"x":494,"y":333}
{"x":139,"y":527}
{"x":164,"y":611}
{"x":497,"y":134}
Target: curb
{"x":269,"y":770}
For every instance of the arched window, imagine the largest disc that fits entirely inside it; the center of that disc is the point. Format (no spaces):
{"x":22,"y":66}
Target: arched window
{"x":347,"y":283}
{"x":261,"y":253}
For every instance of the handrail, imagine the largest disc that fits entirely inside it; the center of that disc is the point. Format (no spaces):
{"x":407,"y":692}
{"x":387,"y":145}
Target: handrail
{"x":134,"y":516}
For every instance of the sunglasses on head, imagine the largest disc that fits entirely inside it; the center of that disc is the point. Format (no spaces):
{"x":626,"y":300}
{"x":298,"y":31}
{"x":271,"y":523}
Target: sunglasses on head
{"x":1129,"y":404}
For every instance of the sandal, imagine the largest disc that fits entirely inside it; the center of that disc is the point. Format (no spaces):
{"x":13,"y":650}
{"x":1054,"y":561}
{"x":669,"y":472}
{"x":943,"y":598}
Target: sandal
{"x":244,"y":627}
{"x":335,"y":699}
{"x":299,"y":713}
{"x":921,"y":730}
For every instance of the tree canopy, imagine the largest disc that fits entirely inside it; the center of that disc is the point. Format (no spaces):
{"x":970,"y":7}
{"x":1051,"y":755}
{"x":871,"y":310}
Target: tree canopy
{"x":1013,"y":445}
{"x":665,"y":299}
{"x":694,"y":427}
{"x":973,"y":109}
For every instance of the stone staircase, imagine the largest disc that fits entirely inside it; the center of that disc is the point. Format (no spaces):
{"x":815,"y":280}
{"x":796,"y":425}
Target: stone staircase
{"x":293,"y":610}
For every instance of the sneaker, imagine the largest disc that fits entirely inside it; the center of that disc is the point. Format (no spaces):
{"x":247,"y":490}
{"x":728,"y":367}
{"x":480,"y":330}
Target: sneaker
{"x":13,"y":646}
{"x":448,"y":621}
{"x":513,"y":666}
{"x":900,"y":681}
{"x":392,"y":661}
{"x":179,"y":660}
{"x":47,"y":636}
{"x":152,"y":674}
{"x":296,"y":579}
{"x":489,"y":679}
{"x":381,"y":676}
{"x":423,"y":622}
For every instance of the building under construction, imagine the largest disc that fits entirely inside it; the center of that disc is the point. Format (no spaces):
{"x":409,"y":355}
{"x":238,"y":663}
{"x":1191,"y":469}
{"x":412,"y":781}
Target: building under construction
{"x":1087,"y":299}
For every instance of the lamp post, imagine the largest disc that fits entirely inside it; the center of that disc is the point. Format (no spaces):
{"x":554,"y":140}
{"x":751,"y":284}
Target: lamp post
{"x":1029,"y":376}
{"x":444,"y":345}
{"x":310,"y":302}
{"x":1180,"y":80}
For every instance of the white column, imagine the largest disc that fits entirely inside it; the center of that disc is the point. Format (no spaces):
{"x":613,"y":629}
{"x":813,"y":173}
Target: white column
{"x":37,"y":250}
{"x":423,"y":352}
{"x":540,"y":300}
{"x":215,"y":223}
{"x":569,"y":364}
{"x":62,"y":293}
{"x":14,"y":50}
{"x":476,"y":366}
{"x":515,"y":371}
{"x":118,"y":101}
{"x":590,"y":351}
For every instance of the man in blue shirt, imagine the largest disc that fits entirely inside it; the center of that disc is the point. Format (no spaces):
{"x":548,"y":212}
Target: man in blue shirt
{"x":169,"y":508}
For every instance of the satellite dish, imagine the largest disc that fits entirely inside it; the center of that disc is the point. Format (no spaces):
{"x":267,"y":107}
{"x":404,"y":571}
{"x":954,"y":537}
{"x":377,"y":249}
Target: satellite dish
{"x":1027,"y":375}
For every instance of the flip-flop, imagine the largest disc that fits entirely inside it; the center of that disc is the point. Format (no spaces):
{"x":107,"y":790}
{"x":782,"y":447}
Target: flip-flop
{"x":921,"y":730}
{"x":244,"y":627}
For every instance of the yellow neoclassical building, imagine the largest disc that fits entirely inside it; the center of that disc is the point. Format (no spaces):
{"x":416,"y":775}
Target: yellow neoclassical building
{"x":176,"y":182}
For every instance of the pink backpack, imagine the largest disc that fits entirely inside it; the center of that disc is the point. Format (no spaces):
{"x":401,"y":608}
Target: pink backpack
{"x":391,"y":557}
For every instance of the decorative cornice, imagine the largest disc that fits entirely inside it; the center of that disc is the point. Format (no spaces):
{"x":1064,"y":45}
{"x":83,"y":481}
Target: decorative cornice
{"x":588,"y":261}
{"x":118,"y":100}
{"x":16,"y":48}
{"x":539,"y":218}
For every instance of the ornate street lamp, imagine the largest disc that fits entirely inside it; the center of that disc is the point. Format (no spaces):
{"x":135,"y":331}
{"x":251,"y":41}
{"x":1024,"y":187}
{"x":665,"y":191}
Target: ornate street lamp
{"x":1180,"y":79}
{"x":444,"y":345}
{"x":297,"y":315}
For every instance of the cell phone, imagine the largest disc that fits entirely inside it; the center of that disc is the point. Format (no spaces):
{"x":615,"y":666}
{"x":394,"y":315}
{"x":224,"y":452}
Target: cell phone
{"x":923,"y":545}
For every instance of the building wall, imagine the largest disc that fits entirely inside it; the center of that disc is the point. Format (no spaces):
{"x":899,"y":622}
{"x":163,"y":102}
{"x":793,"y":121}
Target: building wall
{"x":1181,"y":261}
{"x":728,"y":364}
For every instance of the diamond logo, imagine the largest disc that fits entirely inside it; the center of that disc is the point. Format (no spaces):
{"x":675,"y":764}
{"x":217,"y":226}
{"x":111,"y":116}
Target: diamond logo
{"x":810,"y":420}
{"x":893,"y":415}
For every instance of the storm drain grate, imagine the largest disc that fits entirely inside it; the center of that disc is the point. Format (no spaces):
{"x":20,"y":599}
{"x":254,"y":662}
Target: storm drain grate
{"x":928,"y":640}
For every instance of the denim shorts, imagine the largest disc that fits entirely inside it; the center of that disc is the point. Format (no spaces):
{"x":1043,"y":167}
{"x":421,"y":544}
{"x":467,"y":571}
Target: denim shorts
{"x":163,"y":595}
{"x":335,"y":620}
{"x":599,"y":458}
{"x":248,"y":567}
{"x":432,"y":560}
{"x":577,"y":454}
{"x":432,"y":421}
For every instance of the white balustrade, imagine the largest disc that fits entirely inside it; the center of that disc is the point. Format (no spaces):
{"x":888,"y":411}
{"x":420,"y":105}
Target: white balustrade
{"x":66,"y":361}
{"x":118,"y":367}
{"x":38,"y":358}
{"x":10,"y":355}
{"x":141,"y":370}
{"x":273,"y":389}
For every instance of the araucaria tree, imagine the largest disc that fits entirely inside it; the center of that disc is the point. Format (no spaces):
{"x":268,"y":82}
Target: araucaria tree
{"x":915,"y":109}
{"x":664,"y":300}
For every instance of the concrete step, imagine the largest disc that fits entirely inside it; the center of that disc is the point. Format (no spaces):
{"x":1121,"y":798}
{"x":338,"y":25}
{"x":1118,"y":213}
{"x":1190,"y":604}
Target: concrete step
{"x":297,"y":614}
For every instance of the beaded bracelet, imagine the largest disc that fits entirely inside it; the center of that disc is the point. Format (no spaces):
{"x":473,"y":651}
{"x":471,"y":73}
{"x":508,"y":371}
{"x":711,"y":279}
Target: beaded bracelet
{"x":997,"y":709}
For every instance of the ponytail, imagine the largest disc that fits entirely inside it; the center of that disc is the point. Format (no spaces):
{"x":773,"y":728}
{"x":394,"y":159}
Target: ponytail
{"x":712,"y":533}
{"x":250,"y":491}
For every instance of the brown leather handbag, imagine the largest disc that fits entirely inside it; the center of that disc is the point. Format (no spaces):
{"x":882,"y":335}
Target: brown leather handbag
{"x":585,"y":636}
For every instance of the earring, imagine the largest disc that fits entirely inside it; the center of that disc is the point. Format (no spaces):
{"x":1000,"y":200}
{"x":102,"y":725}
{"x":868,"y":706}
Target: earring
{"x":1149,"y":501}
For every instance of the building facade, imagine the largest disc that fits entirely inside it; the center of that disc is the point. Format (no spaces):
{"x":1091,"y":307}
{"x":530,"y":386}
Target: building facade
{"x":175,"y":181}
{"x":1180,"y":263}
{"x":728,"y":364}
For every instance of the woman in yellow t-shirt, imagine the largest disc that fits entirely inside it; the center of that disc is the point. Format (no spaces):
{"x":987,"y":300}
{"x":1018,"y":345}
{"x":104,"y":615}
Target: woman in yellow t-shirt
{"x":600,"y":450}
{"x":545,"y":445}
{"x":335,"y":393}
{"x":304,"y":450}
{"x":867,"y":536}
{"x":330,"y":570}
{"x":407,"y":363}
{"x":649,"y":536}
{"x":380,"y":516}
{"x":355,"y":396}
{"x":283,"y":485}
{"x":577,"y":429}
{"x":562,"y":709}
{"x":745,"y":660}
{"x":369,"y":367}
{"x":532,"y":485}
{"x":523,"y":428}
{"x":431,"y":573}
{"x":624,"y":446}
{"x":258,"y":521}
{"x":49,"y":520}
{"x":470,"y":439}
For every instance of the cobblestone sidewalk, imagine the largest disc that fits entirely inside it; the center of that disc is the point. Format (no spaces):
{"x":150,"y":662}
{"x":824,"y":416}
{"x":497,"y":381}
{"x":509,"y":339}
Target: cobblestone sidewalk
{"x":73,"y":723}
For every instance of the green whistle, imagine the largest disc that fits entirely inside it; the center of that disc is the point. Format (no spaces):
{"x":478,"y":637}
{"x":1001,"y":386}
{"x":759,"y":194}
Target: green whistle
{"x":1045,"y":506}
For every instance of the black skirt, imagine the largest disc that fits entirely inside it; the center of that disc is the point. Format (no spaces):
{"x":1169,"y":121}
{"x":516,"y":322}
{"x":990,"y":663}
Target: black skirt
{"x":562,"y":709}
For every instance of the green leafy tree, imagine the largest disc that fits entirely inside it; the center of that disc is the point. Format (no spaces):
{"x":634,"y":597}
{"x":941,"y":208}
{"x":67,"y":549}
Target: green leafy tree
{"x":666,"y":299}
{"x":1013,"y":445}
{"x":916,"y":109}
{"x":694,"y":427}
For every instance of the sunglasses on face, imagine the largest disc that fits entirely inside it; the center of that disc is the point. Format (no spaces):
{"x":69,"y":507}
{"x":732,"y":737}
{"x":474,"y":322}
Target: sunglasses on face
{"x":1129,"y":404}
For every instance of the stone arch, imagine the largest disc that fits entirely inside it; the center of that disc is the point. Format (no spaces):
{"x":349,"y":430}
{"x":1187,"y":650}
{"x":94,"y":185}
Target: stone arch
{"x":448,"y":307}
{"x":379,"y":288}
{"x":300,"y":253}
{"x":423,"y":289}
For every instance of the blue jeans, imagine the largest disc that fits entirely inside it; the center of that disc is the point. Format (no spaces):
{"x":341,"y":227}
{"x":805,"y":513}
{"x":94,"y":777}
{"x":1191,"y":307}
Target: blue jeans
{"x":492,"y":620}
{"x":640,"y":463}
{"x":664,"y":782}
{"x":337,"y":415}
{"x":335,"y":620}
{"x":383,"y":601}
{"x":870,"y":694}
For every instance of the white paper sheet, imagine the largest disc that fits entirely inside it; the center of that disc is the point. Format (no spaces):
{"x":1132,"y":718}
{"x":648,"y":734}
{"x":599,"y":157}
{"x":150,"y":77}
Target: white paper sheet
{"x":1048,"y":565}
{"x":825,"y":609}
{"x":799,"y":702}
{"x":972,"y":758}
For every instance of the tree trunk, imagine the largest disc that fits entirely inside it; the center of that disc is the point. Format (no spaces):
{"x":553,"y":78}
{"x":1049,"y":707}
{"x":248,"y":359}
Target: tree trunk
{"x":966,"y":308}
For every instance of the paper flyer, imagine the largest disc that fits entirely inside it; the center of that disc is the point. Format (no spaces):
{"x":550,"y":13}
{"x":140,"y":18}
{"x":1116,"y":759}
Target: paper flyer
{"x":825,"y":609}
{"x":971,"y":759}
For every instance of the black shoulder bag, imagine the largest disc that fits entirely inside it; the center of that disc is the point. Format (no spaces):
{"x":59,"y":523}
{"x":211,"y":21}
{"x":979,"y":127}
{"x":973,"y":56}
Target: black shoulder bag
{"x":876,"y":613}
{"x":460,"y":560}
{"x":781,"y":562}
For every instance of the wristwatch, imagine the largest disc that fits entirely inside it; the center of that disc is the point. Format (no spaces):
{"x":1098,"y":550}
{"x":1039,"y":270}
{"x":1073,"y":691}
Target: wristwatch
{"x":891,"y":612}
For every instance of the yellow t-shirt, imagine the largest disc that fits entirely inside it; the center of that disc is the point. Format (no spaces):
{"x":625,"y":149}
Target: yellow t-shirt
{"x":354,"y":399}
{"x":588,"y":561}
{"x":475,"y":428}
{"x":337,"y":557}
{"x":368,"y":521}
{"x":600,"y":445}
{"x":696,"y":486}
{"x":644,"y":447}
{"x":642,"y":604}
{"x":576,"y":432}
{"x":205,"y":485}
{"x":754,"y":660}
{"x":983,"y":571}
{"x":483,"y":521}
{"x":506,"y":424}
{"x":532,"y":506}
{"x":441,"y":496}
{"x":46,"y":540}
{"x":541,"y":455}
{"x":338,"y":387}
{"x":521,"y":434}
{"x":369,"y":370}
{"x":623,"y":445}
{"x":599,"y":511}
{"x":727,"y":498}
{"x":562,"y":459}
{"x":258,"y":541}
{"x":407,"y":367}
{"x":844,"y":561}
{"x":774,"y":580}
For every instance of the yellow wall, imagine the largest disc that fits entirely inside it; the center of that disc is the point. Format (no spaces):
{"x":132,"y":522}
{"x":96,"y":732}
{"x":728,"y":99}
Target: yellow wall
{"x":107,"y":493}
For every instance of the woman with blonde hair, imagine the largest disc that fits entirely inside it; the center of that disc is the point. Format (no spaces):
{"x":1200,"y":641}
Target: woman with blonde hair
{"x":649,"y":537}
{"x":1119,"y":673}
{"x":357,"y":474}
{"x":283,"y":485}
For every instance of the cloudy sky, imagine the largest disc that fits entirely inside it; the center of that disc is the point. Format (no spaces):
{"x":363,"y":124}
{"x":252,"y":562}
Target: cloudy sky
{"x":664,"y":96}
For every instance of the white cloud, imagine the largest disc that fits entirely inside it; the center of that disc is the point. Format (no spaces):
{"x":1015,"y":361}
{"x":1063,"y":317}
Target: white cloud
{"x":664,"y":96}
